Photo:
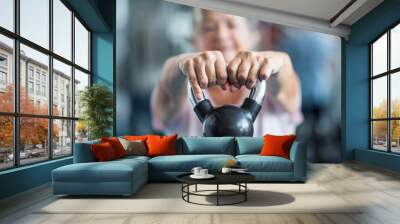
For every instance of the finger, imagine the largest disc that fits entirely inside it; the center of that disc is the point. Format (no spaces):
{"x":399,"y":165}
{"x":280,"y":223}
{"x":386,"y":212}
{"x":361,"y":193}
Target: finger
{"x":232,"y":71}
{"x":210,"y":71}
{"x":264,"y":72}
{"x":193,"y":82}
{"x":202,"y":79}
{"x":220,"y":69}
{"x":243,"y":72}
{"x":253,"y":75}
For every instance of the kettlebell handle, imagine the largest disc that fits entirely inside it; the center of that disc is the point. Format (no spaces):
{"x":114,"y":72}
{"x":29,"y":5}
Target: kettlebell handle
{"x":257,"y":93}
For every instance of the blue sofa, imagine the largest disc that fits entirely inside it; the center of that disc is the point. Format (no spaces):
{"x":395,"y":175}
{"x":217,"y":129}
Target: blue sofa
{"x":125,"y":176}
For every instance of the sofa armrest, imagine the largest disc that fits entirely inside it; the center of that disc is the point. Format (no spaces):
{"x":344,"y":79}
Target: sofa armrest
{"x":83,"y":152}
{"x":298,"y":155}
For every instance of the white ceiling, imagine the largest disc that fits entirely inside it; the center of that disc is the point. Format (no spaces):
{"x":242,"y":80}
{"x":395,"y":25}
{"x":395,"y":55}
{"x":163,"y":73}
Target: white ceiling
{"x":315,"y":15}
{"x":321,"y":9}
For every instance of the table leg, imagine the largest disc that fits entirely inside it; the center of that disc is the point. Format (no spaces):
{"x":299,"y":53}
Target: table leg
{"x":245,"y":193}
{"x":217,"y":194}
{"x":196,"y":187}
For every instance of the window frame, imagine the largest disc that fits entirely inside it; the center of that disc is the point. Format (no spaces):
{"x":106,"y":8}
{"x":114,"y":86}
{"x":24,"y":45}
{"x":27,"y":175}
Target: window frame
{"x":16,"y":114}
{"x":388,"y":74}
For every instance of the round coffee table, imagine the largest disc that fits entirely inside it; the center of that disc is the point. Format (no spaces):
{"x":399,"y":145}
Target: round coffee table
{"x":238,"y":179}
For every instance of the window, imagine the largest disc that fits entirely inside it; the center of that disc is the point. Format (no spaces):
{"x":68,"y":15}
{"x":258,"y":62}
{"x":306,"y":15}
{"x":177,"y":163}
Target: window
{"x":62,"y":31}
{"x":62,"y":137}
{"x":81,"y":45}
{"x":44,"y":91}
{"x":37,"y":89}
{"x":3,"y":78}
{"x":34,"y":21}
{"x":3,"y":61}
{"x":7,"y":14}
{"x":385,"y":94}
{"x":6,"y":73}
{"x":30,"y":72}
{"x":6,"y":142}
{"x":44,"y":125}
{"x":30,"y":88}
{"x":37,"y":75}
{"x":62,"y":74}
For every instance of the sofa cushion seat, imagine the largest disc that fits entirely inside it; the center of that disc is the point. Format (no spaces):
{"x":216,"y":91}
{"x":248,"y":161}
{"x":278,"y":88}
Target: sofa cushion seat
{"x":257,"y":163}
{"x":184,"y":163}
{"x":112,"y":171}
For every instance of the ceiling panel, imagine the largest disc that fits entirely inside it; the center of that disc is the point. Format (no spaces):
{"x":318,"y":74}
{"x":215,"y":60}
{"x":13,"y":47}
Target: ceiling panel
{"x":320,"y":9}
{"x":325,"y":16}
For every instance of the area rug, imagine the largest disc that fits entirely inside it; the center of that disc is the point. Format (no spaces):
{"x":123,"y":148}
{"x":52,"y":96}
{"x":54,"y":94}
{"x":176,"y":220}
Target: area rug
{"x":167,"y":198}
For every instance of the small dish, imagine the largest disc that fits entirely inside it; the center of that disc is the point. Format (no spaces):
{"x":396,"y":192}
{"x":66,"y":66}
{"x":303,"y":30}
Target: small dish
{"x":208,"y":176}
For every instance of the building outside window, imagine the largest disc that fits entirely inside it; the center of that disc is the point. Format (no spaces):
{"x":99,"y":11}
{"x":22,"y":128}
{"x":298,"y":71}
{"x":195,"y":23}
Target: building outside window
{"x":58,"y":133}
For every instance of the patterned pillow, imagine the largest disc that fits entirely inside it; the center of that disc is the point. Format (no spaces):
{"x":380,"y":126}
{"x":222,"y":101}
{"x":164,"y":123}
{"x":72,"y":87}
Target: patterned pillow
{"x":135,"y":147}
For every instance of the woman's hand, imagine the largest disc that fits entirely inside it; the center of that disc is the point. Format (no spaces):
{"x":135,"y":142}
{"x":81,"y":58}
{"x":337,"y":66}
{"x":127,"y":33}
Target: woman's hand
{"x":208,"y":68}
{"x":247,"y":67}
{"x":203,"y":69}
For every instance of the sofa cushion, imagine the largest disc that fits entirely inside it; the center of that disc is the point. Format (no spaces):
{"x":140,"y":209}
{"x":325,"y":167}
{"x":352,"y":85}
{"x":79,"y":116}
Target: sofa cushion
{"x":206,"y":145}
{"x":135,"y":147}
{"x":116,"y":145}
{"x":103,"y":152}
{"x":83,"y":152}
{"x":111,"y":171}
{"x":161,"y":145}
{"x":185,"y":163}
{"x":257,"y":163}
{"x":249,"y":145}
{"x":277,"y":145}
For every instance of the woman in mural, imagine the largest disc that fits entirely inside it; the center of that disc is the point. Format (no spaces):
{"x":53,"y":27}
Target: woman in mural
{"x":225,"y":67}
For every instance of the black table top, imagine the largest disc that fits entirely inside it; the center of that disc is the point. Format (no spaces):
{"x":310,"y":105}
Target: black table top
{"x":220,"y":178}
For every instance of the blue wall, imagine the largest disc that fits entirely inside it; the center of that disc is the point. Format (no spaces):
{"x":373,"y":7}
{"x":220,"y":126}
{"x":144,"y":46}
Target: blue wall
{"x":99,"y":15}
{"x":356,"y":83}
{"x":24,"y":178}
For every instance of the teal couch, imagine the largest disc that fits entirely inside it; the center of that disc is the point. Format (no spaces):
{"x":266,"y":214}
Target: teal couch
{"x":125,"y":176}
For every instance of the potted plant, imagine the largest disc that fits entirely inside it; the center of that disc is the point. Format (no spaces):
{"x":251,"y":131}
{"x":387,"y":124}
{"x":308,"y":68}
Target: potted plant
{"x":96,"y":102}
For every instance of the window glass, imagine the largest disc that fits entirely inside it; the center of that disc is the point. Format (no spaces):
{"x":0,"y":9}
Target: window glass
{"x":7,"y":14}
{"x":395,"y":47}
{"x":81,"y":45}
{"x":81,"y":82}
{"x":62,"y":91}
{"x":6,"y":142}
{"x":62,"y":138}
{"x":395,"y":136}
{"x":379,"y":135}
{"x":6,"y":74}
{"x":379,"y":97}
{"x":33,"y":140}
{"x":39,"y":62}
{"x":395,"y":95}
{"x":81,"y":131}
{"x":34,"y":21}
{"x":379,"y":56}
{"x":62,"y":29}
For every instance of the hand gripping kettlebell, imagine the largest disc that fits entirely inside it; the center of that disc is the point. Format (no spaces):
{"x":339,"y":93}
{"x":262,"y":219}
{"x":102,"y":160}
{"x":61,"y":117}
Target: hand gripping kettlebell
{"x":229,"y":120}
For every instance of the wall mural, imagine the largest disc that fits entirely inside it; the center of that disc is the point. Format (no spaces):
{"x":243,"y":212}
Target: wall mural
{"x":294,"y":75}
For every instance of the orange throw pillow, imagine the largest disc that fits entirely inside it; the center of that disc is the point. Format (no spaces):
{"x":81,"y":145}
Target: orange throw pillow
{"x":161,"y":145}
{"x":277,"y":145}
{"x":116,"y":145}
{"x":103,"y":152}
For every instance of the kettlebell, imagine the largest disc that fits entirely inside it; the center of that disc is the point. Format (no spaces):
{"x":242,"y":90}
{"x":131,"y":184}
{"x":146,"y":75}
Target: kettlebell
{"x":228,"y":120}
